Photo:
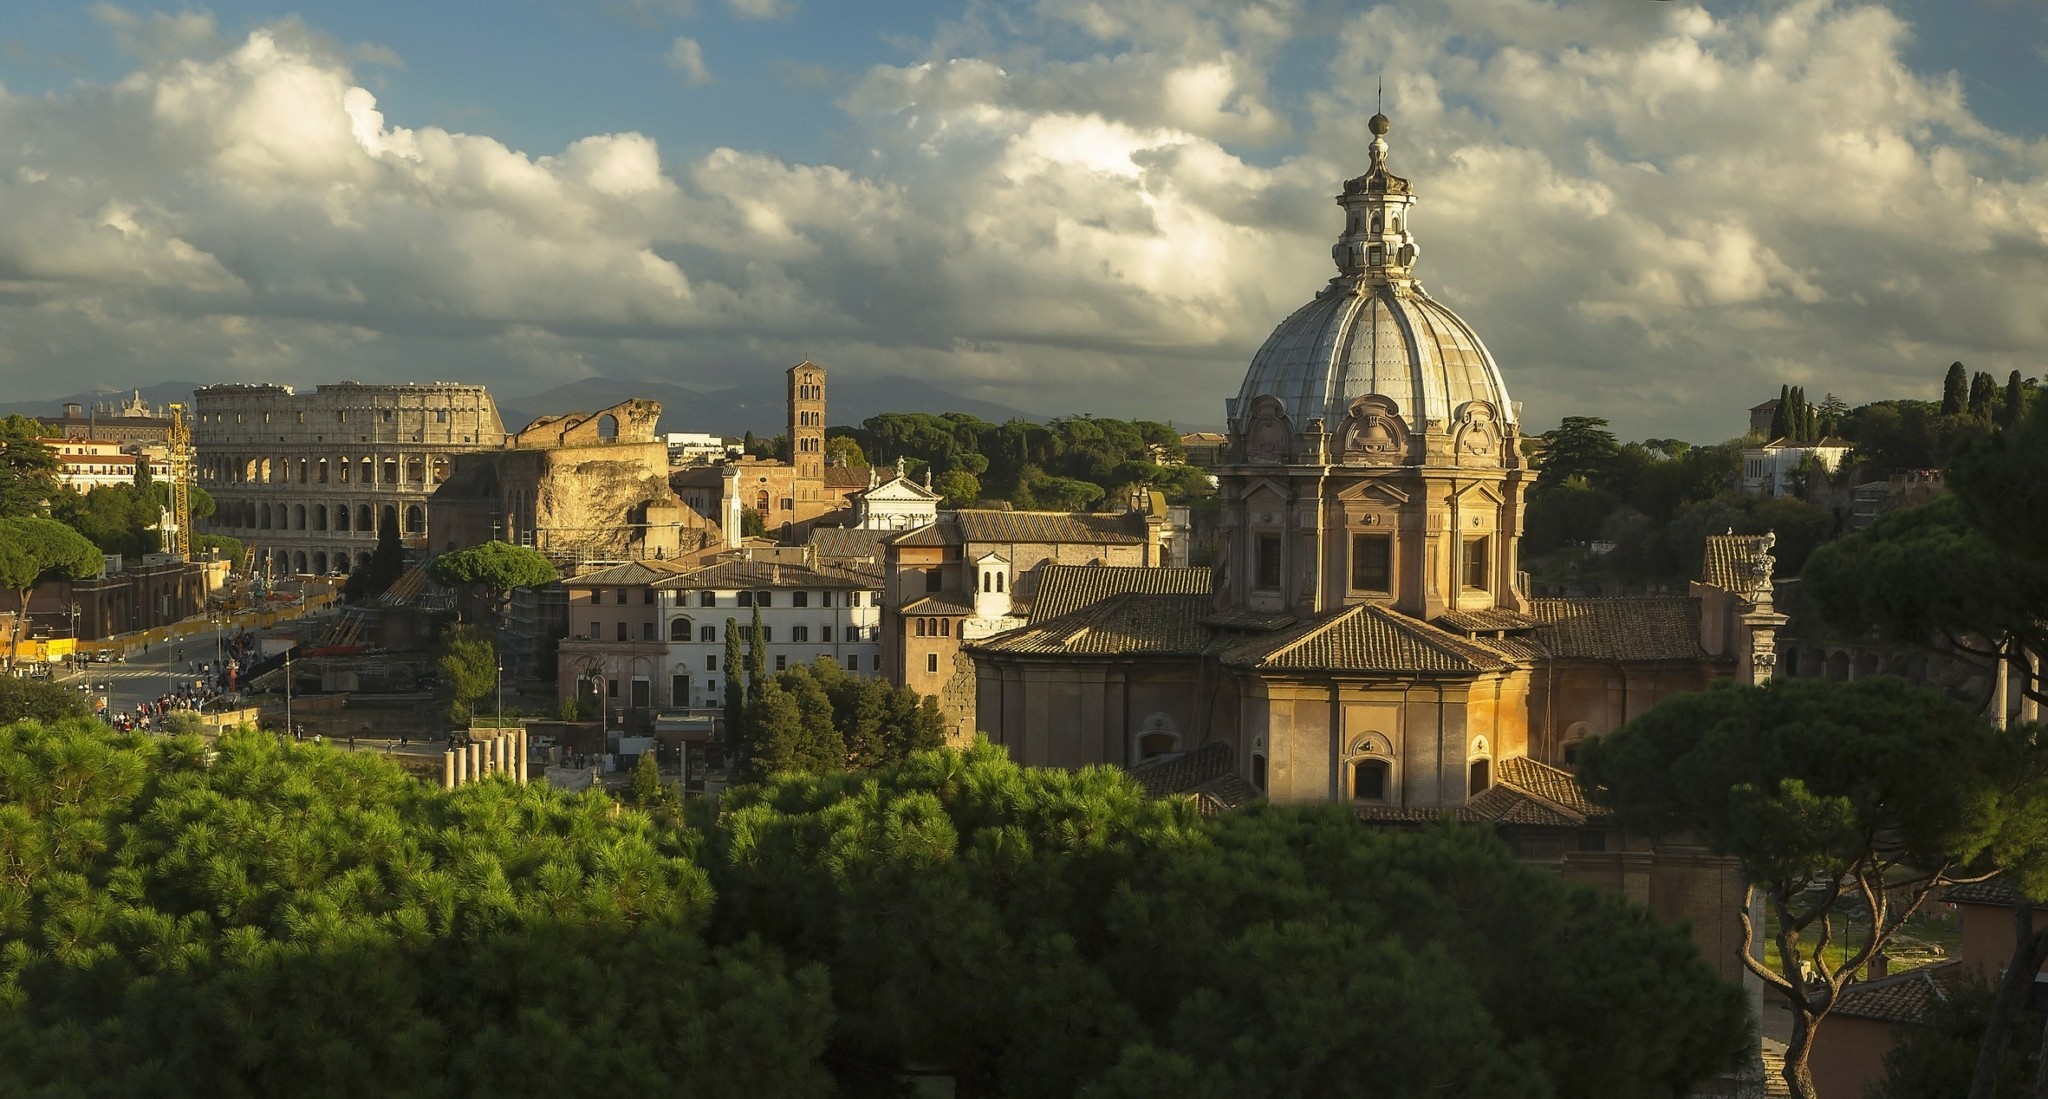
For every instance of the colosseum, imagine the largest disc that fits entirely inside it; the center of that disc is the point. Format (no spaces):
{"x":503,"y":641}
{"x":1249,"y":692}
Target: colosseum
{"x":305,"y":479}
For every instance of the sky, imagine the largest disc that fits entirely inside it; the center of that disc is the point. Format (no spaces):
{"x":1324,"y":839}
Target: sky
{"x":1653,"y":212}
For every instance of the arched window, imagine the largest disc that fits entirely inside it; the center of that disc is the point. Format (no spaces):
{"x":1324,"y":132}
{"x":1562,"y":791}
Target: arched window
{"x":1369,"y":769}
{"x":1259,"y":763}
{"x":679,"y":629}
{"x":1574,"y":738}
{"x":364,"y":521}
{"x":299,"y":520}
{"x":341,"y":518}
{"x":761,"y":501}
{"x":320,"y":519}
{"x":1479,"y":769}
{"x":415,"y":519}
{"x":320,"y":562}
{"x":608,"y":428}
{"x":746,"y":599}
{"x":999,"y":583}
{"x":920,"y":627}
{"x":1157,"y":736}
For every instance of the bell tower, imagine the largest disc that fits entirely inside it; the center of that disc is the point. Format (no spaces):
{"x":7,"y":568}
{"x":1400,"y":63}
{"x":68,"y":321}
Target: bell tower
{"x":807,"y":421}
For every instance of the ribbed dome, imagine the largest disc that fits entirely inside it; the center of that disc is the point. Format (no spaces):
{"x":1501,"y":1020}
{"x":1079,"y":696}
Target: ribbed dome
{"x":1358,"y":339}
{"x":1372,"y":332}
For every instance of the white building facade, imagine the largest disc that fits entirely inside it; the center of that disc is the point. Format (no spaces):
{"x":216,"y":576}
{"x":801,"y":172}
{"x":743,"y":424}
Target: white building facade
{"x":1773,"y":469}
{"x":807,"y":612}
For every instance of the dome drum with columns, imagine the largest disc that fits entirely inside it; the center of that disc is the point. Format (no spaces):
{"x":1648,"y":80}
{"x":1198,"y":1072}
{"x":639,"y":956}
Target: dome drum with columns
{"x":1373,"y":446}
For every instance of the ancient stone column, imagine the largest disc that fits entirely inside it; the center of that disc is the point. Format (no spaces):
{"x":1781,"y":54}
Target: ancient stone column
{"x":461,"y":765}
{"x":2030,"y":710}
{"x":500,"y":761}
{"x":447,"y":770}
{"x":522,"y":755}
{"x":2001,"y":691}
{"x":476,"y":759}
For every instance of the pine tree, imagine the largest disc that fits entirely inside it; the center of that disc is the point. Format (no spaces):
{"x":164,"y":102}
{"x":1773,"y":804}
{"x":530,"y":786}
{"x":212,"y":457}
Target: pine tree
{"x":1833,"y":410}
{"x":1955,"y":390}
{"x":735,"y":695}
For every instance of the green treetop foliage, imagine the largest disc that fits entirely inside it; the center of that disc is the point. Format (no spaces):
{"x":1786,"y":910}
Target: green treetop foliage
{"x":734,"y":698}
{"x":757,"y":658}
{"x":1955,"y":390}
{"x":495,"y":568}
{"x":1041,"y":933}
{"x":843,"y":450}
{"x":1579,"y":448}
{"x":2002,"y":481}
{"x":274,"y":919}
{"x":1869,"y":793}
{"x":33,"y":549}
{"x":1069,"y":464}
{"x":1984,"y":397}
{"x":230,"y":548}
{"x":469,"y":666}
{"x":39,"y":700}
{"x":819,"y":718}
{"x":28,"y":468}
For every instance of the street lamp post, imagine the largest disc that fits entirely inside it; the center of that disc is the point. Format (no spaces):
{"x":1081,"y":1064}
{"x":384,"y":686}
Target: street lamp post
{"x":500,"y":684}
{"x":290,"y":729}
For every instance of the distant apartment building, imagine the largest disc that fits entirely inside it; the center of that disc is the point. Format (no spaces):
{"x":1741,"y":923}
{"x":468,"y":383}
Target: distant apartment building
{"x":306,"y":479}
{"x":87,"y":464}
{"x":694,"y":448}
{"x":649,"y":635}
{"x":1774,"y":469}
{"x":131,"y":421}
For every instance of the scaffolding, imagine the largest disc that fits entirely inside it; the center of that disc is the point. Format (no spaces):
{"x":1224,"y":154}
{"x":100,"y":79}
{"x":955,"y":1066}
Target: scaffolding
{"x":178,"y":538}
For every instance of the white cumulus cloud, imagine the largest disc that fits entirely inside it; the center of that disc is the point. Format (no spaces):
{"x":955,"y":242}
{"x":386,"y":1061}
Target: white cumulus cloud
{"x":687,"y":57}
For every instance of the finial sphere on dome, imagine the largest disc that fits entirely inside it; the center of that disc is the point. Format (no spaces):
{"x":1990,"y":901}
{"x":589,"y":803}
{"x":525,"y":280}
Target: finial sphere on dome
{"x":1380,"y":124}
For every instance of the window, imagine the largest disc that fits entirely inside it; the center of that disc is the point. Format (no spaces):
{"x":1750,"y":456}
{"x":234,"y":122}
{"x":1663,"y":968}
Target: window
{"x":1371,"y":558}
{"x":800,"y":633}
{"x":707,"y":633}
{"x":1369,"y":780}
{"x":767,"y":634}
{"x":945,"y":627}
{"x":621,"y":631}
{"x":646,"y":631}
{"x":746,"y":633}
{"x":824,"y":598}
{"x":711,"y":663}
{"x":647,"y":596}
{"x":934,"y":579}
{"x":611,"y":688}
{"x":781,"y":662}
{"x":825,"y":634}
{"x":920,"y":627}
{"x":799,"y":599}
{"x":764,"y":599}
{"x":1592,"y":840}
{"x":1475,"y":570}
{"x":931,"y":662}
{"x":679,"y":690}
{"x":1259,"y":773}
{"x":853,"y":663}
{"x":878,"y":661}
{"x":1480,"y":774}
{"x":679,"y":630}
{"x":707,"y":598}
{"x":711,"y":691}
{"x":746,"y":599}
{"x":619,"y":596}
{"x":1266,"y":567}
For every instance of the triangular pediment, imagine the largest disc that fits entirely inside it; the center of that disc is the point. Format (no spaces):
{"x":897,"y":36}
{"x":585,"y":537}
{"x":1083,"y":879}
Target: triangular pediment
{"x":1273,"y":486}
{"x":1480,"y":488}
{"x":1372,"y":490}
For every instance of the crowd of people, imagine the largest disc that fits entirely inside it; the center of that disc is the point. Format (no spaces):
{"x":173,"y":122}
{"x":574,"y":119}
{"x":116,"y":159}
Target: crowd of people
{"x":210,"y":682}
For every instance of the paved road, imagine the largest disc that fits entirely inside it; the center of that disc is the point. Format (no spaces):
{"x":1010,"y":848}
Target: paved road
{"x":145,"y":676}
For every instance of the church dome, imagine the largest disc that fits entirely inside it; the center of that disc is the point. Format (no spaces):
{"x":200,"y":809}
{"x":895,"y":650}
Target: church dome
{"x":1373,"y":332}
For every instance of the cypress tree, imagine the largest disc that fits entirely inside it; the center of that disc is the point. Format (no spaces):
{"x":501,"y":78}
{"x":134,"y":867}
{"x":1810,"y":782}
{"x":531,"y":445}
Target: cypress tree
{"x":1781,"y":422}
{"x":757,"y":661}
{"x":2015,"y":401}
{"x":1955,"y":390}
{"x":1983,"y":391}
{"x":735,"y":712}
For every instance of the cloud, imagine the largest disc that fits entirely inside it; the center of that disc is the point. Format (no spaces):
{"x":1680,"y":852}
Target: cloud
{"x":687,"y":57}
{"x":763,"y":9}
{"x":1653,"y":213}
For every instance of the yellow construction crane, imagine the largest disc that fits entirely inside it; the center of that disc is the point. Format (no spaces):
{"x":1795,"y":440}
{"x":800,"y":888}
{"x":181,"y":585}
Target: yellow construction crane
{"x":179,"y":540}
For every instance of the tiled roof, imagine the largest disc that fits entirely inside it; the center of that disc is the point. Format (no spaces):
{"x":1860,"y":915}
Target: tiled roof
{"x":846,"y":477}
{"x":1132,"y":624}
{"x":1490,"y":620}
{"x":1240,"y":618}
{"x":1367,"y":638}
{"x":630,"y":574}
{"x":957,"y":527}
{"x":1502,"y":804}
{"x":1558,"y":787}
{"x":1224,"y":793}
{"x":1727,"y":561}
{"x":1902,"y":997}
{"x":1649,"y":627}
{"x":951,"y":601}
{"x":1182,"y":773}
{"x":1064,"y":589}
{"x":848,"y":542}
{"x":1998,"y":891}
{"x":751,"y":575}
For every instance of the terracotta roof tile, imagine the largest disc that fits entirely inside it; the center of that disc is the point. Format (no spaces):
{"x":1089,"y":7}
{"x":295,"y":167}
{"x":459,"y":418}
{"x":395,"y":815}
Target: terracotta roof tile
{"x":950,"y":602}
{"x":1490,"y":620}
{"x":844,"y":543}
{"x":630,"y":574}
{"x":959,"y":527}
{"x":1132,"y":624}
{"x":745,"y":575}
{"x":1647,"y":627}
{"x":1182,"y":773}
{"x":1367,"y":638}
{"x":1727,"y":562}
{"x":1239,"y":618}
{"x":1998,"y":891}
{"x":1902,"y":997}
{"x":1556,"y":786}
{"x":1064,"y":589}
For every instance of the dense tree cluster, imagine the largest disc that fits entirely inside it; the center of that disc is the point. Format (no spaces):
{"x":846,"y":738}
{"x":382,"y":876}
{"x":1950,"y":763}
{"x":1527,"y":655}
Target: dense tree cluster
{"x":819,"y":718}
{"x":1656,"y":500}
{"x":493,"y":570}
{"x":256,"y":918}
{"x":1074,"y":463}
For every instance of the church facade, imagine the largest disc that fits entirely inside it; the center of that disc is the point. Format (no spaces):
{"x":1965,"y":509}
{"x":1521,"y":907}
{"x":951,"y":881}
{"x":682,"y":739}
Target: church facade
{"x":1366,"y":636}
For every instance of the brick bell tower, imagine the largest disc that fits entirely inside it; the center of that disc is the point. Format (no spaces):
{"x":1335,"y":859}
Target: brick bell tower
{"x":807,"y":431}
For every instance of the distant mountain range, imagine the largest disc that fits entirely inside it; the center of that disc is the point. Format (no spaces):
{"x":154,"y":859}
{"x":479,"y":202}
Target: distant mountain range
{"x":760,"y":408}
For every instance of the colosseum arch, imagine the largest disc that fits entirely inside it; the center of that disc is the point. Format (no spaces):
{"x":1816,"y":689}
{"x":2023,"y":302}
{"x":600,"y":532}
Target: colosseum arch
{"x":319,"y":516}
{"x":415,"y":519}
{"x":365,"y":520}
{"x":320,"y":562}
{"x":299,"y":518}
{"x":341,"y":523}
{"x":299,"y":562}
{"x":415,"y":469}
